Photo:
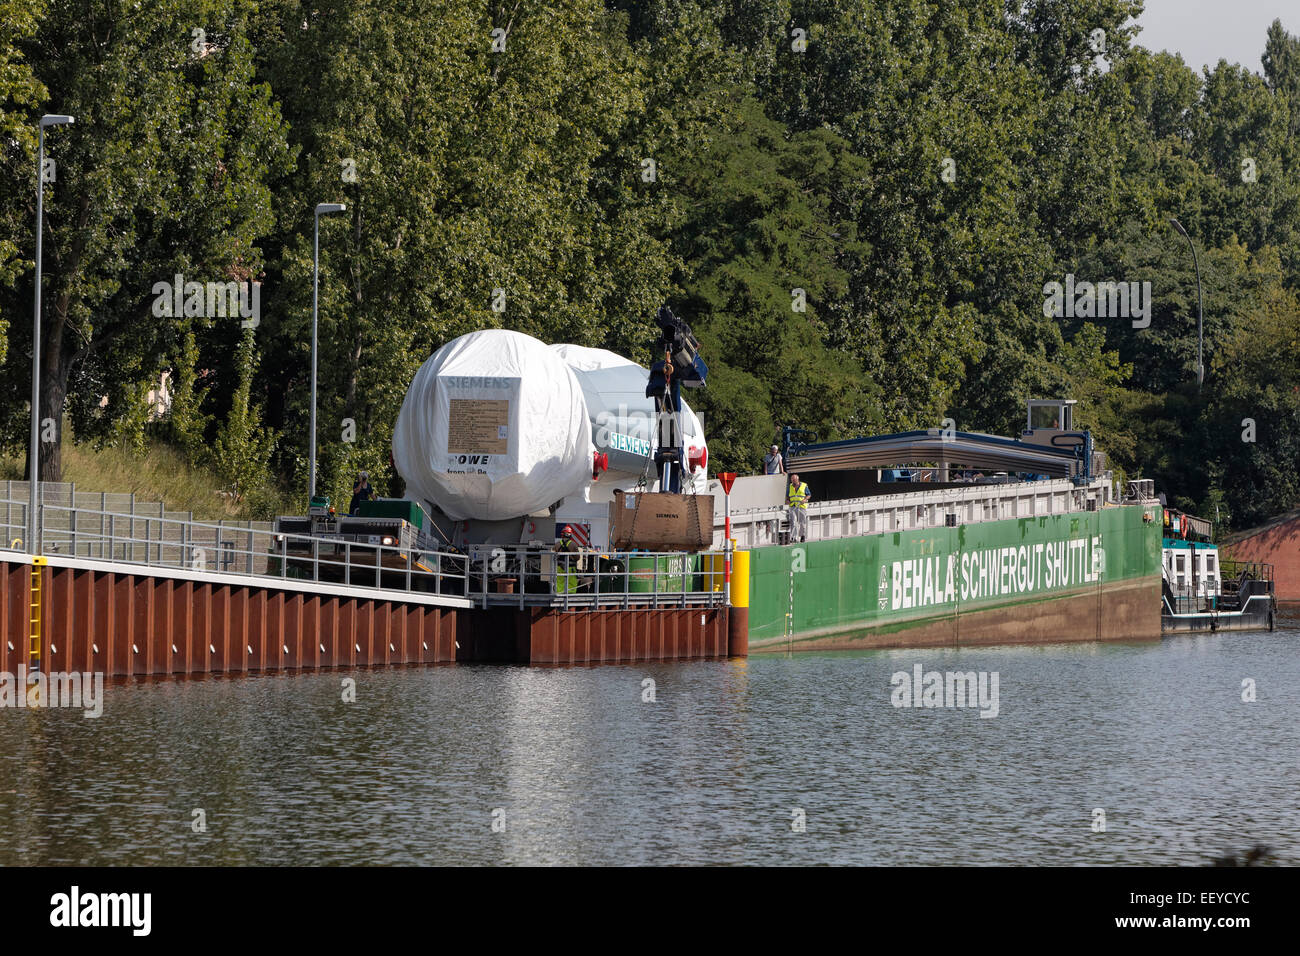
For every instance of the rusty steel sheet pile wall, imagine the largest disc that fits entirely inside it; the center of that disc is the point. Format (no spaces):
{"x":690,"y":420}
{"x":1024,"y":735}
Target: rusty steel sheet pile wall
{"x":543,"y":635}
{"x":128,"y":624}
{"x":639,"y":634}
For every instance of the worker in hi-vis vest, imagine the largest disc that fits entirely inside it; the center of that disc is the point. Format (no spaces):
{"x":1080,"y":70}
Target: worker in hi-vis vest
{"x":797,"y":498}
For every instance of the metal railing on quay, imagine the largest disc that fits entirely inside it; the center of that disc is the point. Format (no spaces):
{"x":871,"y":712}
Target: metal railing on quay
{"x":490,"y":575}
{"x":160,"y":542}
{"x":522,"y":577}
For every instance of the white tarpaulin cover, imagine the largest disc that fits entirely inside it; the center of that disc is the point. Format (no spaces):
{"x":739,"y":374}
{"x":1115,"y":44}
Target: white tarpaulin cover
{"x":494,"y":426}
{"x":622,"y":418}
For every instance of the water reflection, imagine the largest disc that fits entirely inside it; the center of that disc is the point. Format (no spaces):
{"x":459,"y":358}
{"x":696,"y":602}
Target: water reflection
{"x":576,"y":766}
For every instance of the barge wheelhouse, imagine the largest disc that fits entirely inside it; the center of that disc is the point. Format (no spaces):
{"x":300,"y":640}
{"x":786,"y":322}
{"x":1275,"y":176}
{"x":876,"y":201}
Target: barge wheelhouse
{"x":1203,"y":592}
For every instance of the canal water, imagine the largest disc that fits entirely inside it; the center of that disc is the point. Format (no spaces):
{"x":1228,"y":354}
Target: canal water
{"x":1098,"y":754}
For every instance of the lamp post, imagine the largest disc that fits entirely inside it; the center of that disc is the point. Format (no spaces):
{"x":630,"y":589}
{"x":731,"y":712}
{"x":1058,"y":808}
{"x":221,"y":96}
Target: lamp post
{"x":322,"y":209}
{"x":34,"y":449}
{"x":1200,"y":365}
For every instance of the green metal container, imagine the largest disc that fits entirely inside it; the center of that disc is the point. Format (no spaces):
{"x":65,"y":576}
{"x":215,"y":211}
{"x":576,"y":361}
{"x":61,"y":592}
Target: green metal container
{"x":664,"y":573}
{"x":393,"y":508}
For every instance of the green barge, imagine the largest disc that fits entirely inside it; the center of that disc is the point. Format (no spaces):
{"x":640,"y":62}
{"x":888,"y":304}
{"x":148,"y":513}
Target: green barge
{"x":1062,"y":577}
{"x":976,"y":539}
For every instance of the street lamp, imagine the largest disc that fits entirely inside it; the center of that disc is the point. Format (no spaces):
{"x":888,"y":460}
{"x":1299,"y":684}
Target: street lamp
{"x":322,"y":209}
{"x":1200,"y":365}
{"x":33,"y":451}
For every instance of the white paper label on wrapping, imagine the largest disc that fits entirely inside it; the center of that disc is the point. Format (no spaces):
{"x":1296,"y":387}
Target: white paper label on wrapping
{"x":472,"y":424}
{"x":494,"y":426}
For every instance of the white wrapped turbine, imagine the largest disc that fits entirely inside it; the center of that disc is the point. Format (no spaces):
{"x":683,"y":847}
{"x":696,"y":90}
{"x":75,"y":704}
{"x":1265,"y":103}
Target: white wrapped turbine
{"x":623,"y":420}
{"x":494,"y":426}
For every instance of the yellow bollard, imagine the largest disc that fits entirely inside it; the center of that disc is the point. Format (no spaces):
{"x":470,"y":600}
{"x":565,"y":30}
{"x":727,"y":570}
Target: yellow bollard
{"x":740,"y":579}
{"x":738,"y":613}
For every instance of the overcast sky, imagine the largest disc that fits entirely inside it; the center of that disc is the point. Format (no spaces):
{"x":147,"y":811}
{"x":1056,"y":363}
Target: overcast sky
{"x":1205,"y":30}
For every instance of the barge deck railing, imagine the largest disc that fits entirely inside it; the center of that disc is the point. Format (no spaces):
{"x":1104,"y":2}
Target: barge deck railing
{"x":911,"y":506}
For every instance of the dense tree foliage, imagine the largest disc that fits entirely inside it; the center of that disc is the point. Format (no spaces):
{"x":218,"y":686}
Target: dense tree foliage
{"x":20,"y":95}
{"x":856,"y":205}
{"x":164,"y":173}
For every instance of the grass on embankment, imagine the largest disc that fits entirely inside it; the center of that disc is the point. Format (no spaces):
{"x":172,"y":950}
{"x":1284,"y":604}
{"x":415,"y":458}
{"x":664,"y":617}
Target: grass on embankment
{"x":159,"y":472}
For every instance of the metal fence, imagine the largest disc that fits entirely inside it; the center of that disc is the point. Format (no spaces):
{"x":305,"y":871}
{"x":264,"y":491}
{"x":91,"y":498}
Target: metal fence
{"x":491,"y":575}
{"x":1187,"y":604}
{"x":524,"y":576}
{"x":1236,"y":585}
{"x":67,"y":513}
{"x":904,"y":506}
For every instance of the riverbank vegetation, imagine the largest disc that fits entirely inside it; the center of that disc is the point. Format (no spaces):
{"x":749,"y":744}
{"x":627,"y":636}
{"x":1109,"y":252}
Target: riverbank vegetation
{"x":857,"y":207}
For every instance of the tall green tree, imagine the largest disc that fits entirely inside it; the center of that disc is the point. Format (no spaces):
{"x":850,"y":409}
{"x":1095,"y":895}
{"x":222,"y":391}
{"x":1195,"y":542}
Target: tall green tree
{"x":20,"y":92}
{"x":241,"y":450}
{"x":165,"y":172}
{"x":502,"y":167}
{"x":1281,"y":61}
{"x":1253,"y":413}
{"x":764,"y":252}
